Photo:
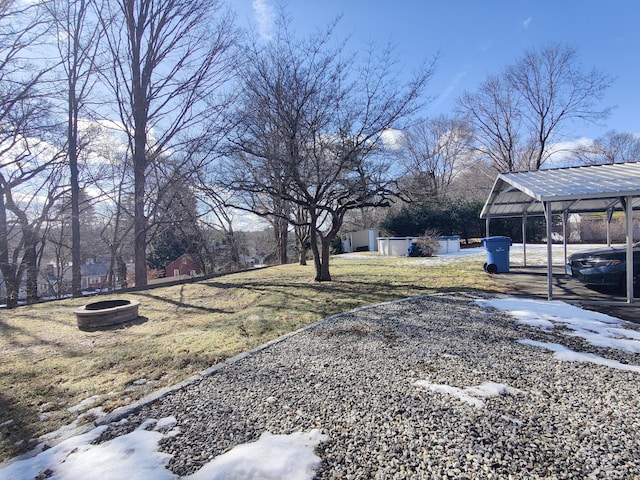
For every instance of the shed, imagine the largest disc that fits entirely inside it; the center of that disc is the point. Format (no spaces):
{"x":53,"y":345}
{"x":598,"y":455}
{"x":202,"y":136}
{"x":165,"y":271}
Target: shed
{"x":589,"y":189}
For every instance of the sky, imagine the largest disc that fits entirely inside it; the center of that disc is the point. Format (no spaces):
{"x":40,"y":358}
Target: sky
{"x":274,"y":457}
{"x":478,"y":38}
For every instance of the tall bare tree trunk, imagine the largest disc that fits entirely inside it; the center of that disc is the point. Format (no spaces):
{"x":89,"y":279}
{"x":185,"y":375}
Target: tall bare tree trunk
{"x":76,"y":252}
{"x":281,"y":227}
{"x":170,"y":58}
{"x":7,"y":268}
{"x":140,"y":225}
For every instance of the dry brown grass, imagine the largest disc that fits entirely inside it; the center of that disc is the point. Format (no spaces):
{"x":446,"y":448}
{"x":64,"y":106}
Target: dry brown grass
{"x":48,"y":364}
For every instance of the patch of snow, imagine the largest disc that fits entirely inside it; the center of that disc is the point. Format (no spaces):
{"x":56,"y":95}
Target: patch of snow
{"x":165,"y":424}
{"x":272,"y":457}
{"x":598,"y":329}
{"x":135,"y":455}
{"x":84,"y":404}
{"x":474,"y":395}
{"x":566,"y":354}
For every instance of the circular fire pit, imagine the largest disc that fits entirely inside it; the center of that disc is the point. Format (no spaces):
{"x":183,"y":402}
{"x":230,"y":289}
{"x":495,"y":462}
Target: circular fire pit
{"x":106,"y":313}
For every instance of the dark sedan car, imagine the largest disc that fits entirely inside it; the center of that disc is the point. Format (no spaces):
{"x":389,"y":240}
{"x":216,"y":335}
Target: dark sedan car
{"x":604,"y":266}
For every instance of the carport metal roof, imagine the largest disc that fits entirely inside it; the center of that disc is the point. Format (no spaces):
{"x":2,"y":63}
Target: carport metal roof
{"x":590,"y":189}
{"x":596,"y":188}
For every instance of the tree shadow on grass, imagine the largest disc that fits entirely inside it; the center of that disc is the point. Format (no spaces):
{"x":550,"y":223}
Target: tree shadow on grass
{"x":11,"y":333}
{"x":329,"y":298}
{"x":17,"y":428}
{"x":181,"y":303}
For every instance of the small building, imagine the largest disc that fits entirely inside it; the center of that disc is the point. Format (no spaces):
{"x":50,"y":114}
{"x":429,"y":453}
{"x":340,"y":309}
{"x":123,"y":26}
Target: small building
{"x":183,"y":265}
{"x":94,"y":274}
{"x":361,"y":241}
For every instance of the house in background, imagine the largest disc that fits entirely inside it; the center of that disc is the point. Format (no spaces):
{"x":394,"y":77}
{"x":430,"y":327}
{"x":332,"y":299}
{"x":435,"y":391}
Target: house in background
{"x":183,"y":265}
{"x":94,"y":274}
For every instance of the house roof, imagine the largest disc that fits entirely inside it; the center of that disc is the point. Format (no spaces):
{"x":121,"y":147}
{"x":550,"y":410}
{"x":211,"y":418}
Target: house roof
{"x":94,"y":269}
{"x":596,"y":188}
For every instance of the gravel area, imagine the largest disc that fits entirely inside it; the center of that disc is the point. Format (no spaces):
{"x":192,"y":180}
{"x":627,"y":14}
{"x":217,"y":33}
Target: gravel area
{"x":356,"y":376}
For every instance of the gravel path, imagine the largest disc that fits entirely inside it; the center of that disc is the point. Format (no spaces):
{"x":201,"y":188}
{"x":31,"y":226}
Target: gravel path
{"x":354,"y":376}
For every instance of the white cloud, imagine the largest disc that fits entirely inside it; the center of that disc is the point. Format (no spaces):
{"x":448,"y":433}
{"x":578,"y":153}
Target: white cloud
{"x":392,"y":138}
{"x":560,"y":153}
{"x":265,"y":17}
{"x":526,"y":23}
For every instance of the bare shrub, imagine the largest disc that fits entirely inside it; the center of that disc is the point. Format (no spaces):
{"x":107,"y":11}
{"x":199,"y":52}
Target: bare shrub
{"x":428,"y":243}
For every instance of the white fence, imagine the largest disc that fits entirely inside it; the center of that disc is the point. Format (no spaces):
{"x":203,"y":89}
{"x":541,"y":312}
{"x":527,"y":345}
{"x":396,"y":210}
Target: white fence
{"x":398,"y":246}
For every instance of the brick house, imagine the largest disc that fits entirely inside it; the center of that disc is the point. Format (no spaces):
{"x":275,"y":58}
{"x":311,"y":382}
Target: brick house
{"x":183,"y":265}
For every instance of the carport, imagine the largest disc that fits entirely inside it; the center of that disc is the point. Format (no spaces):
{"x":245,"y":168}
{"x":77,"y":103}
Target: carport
{"x":562,"y":191}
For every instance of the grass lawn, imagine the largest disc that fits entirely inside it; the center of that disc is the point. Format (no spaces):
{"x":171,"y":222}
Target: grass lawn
{"x":48,"y":366}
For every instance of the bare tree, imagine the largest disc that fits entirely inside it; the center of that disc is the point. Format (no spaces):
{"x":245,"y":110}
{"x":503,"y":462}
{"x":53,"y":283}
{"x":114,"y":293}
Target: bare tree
{"x":311,"y":129}
{"x":554,"y":91}
{"x":612,"y":147}
{"x":78,"y":43}
{"x":30,"y":186}
{"x":29,"y":180}
{"x":435,"y":152}
{"x":169,"y":59}
{"x":217,"y":216}
{"x":494,"y":114}
{"x":106,"y":208}
{"x":521,"y":113}
{"x":117,"y":216}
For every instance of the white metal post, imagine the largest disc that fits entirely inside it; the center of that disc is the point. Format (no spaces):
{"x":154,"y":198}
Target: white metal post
{"x":524,"y":237}
{"x":565,"y":219}
{"x":547,"y":214}
{"x":629,"y":214}
{"x":609,"y":218}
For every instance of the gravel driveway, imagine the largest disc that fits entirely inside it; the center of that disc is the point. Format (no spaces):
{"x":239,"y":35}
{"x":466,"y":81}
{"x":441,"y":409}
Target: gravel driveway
{"x":431,"y":387}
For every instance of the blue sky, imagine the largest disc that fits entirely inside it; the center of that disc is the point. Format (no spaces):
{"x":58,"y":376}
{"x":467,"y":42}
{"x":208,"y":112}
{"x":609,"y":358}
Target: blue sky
{"x":478,"y":38}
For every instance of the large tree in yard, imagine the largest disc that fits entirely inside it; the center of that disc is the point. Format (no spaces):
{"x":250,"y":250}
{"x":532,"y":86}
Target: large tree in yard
{"x":78,"y":44}
{"x":170,"y":60}
{"x":519,"y":115}
{"x":310,"y":131}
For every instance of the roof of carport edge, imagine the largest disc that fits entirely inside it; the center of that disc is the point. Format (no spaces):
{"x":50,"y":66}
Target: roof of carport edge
{"x":596,"y":188}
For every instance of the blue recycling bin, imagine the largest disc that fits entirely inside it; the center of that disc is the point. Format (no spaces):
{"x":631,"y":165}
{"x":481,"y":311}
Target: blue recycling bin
{"x":497,"y":254}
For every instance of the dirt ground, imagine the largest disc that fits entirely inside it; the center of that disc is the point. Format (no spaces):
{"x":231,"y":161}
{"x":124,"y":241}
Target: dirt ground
{"x":532,"y":282}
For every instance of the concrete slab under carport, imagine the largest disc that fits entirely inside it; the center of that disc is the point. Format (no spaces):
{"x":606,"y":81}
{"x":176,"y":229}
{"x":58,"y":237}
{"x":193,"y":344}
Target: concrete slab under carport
{"x":531,"y":282}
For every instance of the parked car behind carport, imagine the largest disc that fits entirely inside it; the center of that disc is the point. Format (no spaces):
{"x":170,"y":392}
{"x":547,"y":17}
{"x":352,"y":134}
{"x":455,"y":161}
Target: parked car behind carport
{"x":604,"y":266}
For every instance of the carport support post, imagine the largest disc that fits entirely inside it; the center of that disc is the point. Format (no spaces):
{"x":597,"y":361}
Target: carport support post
{"x":609,"y":218}
{"x":628,"y":210}
{"x":524,"y":237}
{"x":547,"y":214}
{"x":565,"y":219}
